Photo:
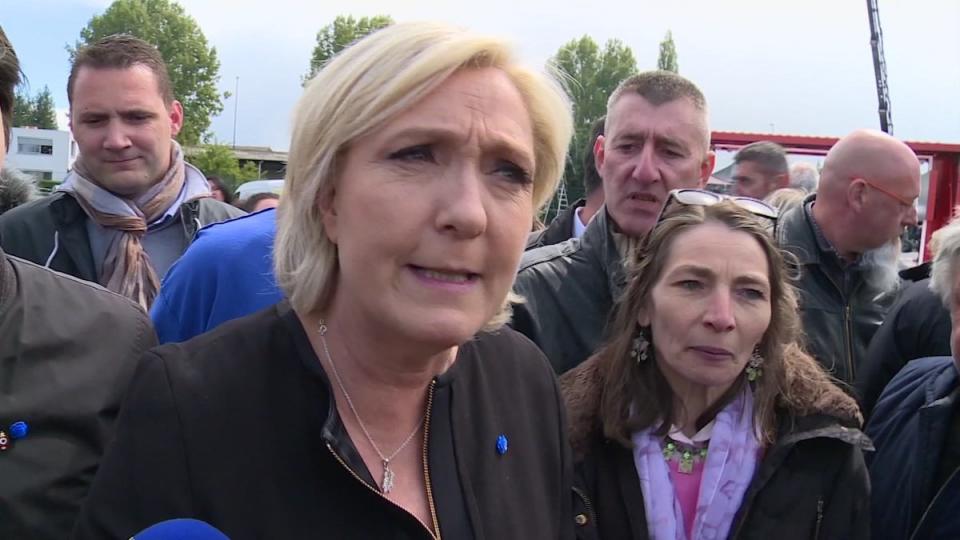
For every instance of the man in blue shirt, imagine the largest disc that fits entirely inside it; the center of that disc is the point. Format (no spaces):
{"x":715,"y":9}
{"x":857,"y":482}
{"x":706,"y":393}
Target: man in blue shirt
{"x":225,"y":274}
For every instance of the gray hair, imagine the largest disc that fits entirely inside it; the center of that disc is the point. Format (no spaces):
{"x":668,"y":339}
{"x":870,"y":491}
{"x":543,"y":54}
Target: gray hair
{"x":946,"y":247}
{"x":804,"y":176}
{"x":16,"y":188}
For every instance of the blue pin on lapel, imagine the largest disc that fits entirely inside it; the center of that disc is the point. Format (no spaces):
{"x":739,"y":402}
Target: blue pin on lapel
{"x":19,"y":429}
{"x":502,"y":444}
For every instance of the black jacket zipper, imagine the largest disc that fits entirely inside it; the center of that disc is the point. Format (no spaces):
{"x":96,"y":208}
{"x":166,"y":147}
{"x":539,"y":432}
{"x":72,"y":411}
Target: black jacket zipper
{"x":426,"y":471}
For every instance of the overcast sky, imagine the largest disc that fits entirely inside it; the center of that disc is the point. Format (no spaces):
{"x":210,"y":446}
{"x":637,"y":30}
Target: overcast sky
{"x":799,"y":67}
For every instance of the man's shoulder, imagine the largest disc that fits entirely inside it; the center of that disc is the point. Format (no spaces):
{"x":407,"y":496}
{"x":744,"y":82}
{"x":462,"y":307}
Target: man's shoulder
{"x":918,"y":383}
{"x":555,"y":255}
{"x":253,"y":228}
{"x":224,"y":244}
{"x":62,"y":288}
{"x":793,"y":224}
{"x":211,"y":210}
{"x":28,"y":213}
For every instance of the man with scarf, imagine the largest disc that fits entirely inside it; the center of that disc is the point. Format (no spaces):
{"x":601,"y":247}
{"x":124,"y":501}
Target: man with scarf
{"x":131,"y":205}
{"x":68,"y":349}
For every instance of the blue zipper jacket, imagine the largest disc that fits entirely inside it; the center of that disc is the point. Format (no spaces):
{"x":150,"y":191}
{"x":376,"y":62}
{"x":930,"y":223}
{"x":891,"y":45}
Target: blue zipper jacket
{"x":908,"y":428}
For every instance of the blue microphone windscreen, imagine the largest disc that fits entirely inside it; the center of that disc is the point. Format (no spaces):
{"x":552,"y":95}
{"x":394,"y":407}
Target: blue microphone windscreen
{"x":180,"y":529}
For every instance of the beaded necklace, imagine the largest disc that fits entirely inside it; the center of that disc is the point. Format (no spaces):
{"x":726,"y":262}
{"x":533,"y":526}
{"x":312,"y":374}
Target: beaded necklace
{"x":686,"y":456}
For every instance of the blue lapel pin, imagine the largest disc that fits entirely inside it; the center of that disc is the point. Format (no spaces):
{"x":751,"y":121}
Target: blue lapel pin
{"x":502,"y":444}
{"x":19,"y":430}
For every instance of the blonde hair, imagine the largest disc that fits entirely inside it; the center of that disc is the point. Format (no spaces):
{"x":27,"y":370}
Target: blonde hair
{"x":361,"y":89}
{"x":785,"y":199}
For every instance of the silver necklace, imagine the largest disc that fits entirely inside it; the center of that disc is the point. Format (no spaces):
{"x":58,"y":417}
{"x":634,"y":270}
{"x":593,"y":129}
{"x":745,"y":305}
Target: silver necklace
{"x":388,"y":474}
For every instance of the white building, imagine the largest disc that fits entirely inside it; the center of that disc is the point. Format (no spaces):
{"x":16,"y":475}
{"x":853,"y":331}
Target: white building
{"x":46,"y":154}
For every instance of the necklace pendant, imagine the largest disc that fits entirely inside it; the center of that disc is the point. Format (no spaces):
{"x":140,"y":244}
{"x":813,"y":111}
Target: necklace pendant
{"x":686,"y":462}
{"x":387,"y":485}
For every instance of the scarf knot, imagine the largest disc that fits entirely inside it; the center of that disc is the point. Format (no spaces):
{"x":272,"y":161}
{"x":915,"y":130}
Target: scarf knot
{"x":126,"y":268}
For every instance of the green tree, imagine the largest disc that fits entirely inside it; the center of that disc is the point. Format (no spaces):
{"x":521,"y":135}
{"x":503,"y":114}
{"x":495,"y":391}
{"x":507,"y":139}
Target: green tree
{"x":44,"y":110}
{"x":22,"y":109}
{"x":592,"y":75}
{"x":193,"y":65}
{"x":219,"y":160}
{"x":35,"y":111}
{"x":667,"y":60}
{"x":336,"y":36}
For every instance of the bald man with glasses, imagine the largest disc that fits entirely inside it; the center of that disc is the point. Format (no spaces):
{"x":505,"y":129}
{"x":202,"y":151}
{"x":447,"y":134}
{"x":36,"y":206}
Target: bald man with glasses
{"x":846,"y":239}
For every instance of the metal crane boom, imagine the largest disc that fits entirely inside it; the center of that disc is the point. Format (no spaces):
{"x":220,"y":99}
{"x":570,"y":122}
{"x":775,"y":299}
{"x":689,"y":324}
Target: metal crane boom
{"x":880,"y":68}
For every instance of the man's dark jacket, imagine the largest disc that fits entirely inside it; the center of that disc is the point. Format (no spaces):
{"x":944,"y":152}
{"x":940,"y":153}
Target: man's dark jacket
{"x":67,"y":351}
{"x":908,"y":428}
{"x":811,"y":482}
{"x":559,"y":230}
{"x":56,"y":225}
{"x":917,"y":326}
{"x":570,"y":289}
{"x":839,"y":310}
{"x":238,"y":427}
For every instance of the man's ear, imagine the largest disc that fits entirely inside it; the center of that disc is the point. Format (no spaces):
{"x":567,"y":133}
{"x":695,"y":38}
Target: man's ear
{"x":706,"y":168}
{"x":176,"y":117}
{"x":599,"y":154}
{"x":857,"y":195}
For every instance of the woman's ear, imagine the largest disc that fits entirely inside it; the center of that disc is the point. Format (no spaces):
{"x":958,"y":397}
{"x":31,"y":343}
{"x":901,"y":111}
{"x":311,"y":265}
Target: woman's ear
{"x":327,"y":204}
{"x":643,"y":319}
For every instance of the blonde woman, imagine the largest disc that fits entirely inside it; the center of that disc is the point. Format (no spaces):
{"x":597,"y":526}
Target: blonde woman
{"x":382,"y":399}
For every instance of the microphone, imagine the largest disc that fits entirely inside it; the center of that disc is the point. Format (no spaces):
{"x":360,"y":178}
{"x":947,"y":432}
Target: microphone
{"x":180,"y":529}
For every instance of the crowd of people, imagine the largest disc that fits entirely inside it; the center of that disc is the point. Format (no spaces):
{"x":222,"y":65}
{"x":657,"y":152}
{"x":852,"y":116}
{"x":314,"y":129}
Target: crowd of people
{"x":394,"y":352}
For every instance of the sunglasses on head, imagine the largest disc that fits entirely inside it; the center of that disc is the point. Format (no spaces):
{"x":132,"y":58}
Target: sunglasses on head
{"x":699,"y":197}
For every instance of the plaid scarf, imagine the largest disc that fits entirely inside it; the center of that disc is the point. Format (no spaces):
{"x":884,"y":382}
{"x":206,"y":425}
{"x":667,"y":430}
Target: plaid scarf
{"x":126,"y":269}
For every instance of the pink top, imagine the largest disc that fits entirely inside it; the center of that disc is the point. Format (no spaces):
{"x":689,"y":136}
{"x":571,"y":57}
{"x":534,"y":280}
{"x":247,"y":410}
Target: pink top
{"x":687,"y":488}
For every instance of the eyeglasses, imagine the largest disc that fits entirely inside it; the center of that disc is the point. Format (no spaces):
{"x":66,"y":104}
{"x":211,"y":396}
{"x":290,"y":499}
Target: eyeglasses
{"x":886,"y":192}
{"x":699,"y":197}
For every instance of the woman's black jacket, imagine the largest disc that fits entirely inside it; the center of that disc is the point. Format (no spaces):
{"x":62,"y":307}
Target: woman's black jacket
{"x":238,"y":428}
{"x":811,"y":483}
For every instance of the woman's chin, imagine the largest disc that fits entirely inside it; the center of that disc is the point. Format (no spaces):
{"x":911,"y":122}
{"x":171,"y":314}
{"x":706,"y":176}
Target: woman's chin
{"x":441,"y":330}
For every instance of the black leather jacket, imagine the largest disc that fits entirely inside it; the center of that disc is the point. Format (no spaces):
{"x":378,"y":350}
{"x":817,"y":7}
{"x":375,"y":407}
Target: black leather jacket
{"x":570,"y":289}
{"x":840,"y":311}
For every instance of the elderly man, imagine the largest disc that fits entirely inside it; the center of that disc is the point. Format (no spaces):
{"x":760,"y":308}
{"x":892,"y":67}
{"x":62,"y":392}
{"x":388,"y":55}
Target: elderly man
{"x":759,"y":169}
{"x":845,"y":238}
{"x":916,"y":428}
{"x":804,"y":176}
{"x":131,"y":204}
{"x":68,"y":349}
{"x":656,"y":139}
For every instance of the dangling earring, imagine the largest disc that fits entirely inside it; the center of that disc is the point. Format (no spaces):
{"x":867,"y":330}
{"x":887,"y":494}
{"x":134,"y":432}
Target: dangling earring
{"x":755,"y":365}
{"x":640,"y":346}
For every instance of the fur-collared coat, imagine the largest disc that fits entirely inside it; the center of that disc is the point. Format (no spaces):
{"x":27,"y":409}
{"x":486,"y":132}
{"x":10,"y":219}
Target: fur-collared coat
{"x":810,"y":483}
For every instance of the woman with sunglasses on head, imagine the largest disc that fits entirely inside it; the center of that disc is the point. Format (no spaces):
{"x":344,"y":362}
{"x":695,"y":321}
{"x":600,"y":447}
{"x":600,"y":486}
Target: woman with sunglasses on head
{"x":701,"y":417}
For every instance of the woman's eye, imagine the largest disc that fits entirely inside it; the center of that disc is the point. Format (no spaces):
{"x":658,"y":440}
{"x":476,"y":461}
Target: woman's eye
{"x":690,"y":285}
{"x":753,"y":294}
{"x":414,"y":153}
{"x":514,"y":172}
